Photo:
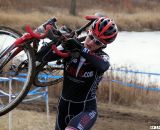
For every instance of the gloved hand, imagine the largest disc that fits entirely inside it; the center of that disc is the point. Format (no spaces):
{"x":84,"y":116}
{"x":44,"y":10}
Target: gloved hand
{"x":72,"y":44}
{"x":52,"y":36}
{"x":65,"y":29}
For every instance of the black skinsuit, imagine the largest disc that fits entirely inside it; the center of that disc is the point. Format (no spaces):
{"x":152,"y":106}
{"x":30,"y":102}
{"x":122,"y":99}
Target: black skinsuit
{"x":82,"y":74}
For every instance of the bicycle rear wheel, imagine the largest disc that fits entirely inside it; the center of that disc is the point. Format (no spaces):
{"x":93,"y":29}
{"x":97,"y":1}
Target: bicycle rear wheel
{"x":47,"y":75}
{"x":15,"y":81}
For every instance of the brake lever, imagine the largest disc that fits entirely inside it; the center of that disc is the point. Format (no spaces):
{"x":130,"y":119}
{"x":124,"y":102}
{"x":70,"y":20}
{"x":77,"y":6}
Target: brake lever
{"x":37,"y":35}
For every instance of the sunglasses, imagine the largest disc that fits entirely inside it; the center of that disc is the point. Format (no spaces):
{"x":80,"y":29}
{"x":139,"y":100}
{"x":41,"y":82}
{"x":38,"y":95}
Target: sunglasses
{"x":96,"y":41}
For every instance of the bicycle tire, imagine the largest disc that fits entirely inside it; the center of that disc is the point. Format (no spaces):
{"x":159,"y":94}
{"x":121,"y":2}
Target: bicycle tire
{"x":5,"y":107}
{"x":14,"y":32}
{"x":54,"y":79}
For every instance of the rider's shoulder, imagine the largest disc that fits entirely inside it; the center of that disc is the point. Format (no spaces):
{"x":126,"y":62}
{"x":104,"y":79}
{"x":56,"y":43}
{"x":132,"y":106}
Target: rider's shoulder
{"x":102,"y":52}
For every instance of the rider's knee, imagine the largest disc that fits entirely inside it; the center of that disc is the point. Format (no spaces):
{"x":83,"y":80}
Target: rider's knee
{"x":70,"y":128}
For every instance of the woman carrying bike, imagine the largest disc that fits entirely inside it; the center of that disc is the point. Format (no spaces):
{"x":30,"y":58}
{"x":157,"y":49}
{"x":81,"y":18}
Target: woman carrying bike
{"x":83,"y":70}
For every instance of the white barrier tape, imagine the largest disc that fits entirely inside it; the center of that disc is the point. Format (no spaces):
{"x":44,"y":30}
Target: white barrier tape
{"x":31,"y":99}
{"x":34,"y":91}
{"x":6,"y":94}
{"x":3,"y":79}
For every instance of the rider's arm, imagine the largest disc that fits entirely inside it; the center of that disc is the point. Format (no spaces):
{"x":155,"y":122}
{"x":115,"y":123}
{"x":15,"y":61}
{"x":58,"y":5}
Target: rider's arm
{"x":100,"y":62}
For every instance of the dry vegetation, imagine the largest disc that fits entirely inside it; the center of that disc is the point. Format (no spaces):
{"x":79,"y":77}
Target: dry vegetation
{"x":131,"y":96}
{"x":136,"y":15}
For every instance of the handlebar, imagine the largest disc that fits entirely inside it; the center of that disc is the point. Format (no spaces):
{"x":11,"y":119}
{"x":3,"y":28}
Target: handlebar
{"x":37,"y":35}
{"x":31,"y":34}
{"x":56,"y":31}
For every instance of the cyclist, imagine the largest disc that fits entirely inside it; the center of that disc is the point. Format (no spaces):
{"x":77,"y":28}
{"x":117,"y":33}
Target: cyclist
{"x":83,"y":70}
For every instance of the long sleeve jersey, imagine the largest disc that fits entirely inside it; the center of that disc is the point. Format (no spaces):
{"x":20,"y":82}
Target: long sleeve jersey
{"x":82,"y":74}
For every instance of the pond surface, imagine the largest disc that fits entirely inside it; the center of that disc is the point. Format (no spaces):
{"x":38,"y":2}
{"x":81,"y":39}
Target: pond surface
{"x":139,"y":50}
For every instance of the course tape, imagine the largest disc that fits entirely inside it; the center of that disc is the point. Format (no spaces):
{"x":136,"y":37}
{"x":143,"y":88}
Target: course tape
{"x":37,"y":97}
{"x":2,"y":79}
{"x":136,"y":72}
{"x":2,"y":94}
{"x":36,"y":91}
{"x":46,"y":76}
{"x":136,"y":86}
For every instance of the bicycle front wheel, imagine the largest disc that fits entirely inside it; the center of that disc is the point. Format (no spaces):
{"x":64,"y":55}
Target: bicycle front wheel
{"x":17,"y":74}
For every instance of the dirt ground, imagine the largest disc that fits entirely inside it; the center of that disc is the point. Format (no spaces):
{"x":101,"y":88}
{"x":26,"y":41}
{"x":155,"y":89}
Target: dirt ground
{"x":111,"y":117}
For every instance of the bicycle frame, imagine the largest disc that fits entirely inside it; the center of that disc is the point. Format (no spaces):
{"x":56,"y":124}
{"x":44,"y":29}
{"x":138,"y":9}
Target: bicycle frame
{"x":29,"y":37}
{"x":19,"y":43}
{"x":25,"y":43}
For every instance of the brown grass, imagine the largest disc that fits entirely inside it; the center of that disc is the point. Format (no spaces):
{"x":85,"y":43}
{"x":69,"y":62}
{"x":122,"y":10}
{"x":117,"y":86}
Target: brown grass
{"x":28,"y":120}
{"x":139,"y":16}
{"x":124,"y":95}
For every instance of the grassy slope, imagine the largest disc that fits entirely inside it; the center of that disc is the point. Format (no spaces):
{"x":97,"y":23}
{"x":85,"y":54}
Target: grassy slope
{"x":136,"y":16}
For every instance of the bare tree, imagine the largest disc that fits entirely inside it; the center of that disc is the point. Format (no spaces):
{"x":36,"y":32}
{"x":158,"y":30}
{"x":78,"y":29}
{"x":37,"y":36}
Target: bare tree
{"x":73,"y":7}
{"x":5,"y":3}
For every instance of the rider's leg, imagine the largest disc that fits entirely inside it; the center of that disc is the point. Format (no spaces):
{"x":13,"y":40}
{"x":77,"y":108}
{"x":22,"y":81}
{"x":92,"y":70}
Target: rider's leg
{"x":61,"y":123}
{"x":84,"y":120}
{"x":70,"y":128}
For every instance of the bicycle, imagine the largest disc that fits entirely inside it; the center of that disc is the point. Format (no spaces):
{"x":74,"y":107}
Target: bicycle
{"x":18,"y":62}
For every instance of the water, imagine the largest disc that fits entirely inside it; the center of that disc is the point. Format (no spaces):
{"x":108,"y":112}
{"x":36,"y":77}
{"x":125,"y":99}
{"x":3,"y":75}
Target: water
{"x":137,"y":50}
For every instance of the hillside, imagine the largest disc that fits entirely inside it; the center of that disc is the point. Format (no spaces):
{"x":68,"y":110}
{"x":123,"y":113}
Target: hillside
{"x":130,"y":15}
